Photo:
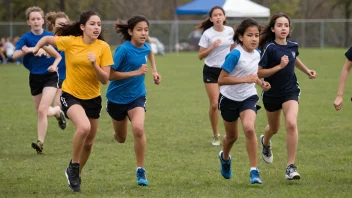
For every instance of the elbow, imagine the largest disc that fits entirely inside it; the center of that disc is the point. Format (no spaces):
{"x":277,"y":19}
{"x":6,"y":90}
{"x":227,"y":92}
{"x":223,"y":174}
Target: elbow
{"x":200,"y":57}
{"x":260,"y":74}
{"x":221,"y":82}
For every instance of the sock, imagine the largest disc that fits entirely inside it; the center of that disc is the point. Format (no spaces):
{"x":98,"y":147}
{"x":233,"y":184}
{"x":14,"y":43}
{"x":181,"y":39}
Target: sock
{"x":254,"y":168}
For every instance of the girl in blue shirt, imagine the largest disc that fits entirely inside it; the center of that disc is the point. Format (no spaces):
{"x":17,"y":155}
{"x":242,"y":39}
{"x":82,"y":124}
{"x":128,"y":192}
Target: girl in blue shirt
{"x":126,"y":93}
{"x":43,"y":78}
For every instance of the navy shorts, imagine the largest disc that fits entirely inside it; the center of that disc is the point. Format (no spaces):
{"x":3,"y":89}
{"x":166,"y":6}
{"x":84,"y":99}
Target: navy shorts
{"x":120,"y":111}
{"x":211,"y":74}
{"x":37,"y":82}
{"x":272,"y":104}
{"x":92,"y":107}
{"x":230,"y":110}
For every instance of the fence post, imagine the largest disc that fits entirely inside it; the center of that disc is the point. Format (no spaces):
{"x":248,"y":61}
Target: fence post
{"x":322,"y":35}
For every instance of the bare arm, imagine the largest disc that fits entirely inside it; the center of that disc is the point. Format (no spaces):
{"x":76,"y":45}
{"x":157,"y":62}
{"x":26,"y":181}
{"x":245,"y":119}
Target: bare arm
{"x":44,"y":41}
{"x":53,"y":53}
{"x":102,"y":72}
{"x":225,"y":79}
{"x":18,"y":54}
{"x":151,"y":58}
{"x":204,"y":52}
{"x":343,"y":78}
{"x":301,"y":66}
{"x":116,"y":75}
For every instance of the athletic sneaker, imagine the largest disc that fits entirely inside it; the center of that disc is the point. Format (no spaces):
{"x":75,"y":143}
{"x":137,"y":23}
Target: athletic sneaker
{"x":225,"y":166}
{"x":141,"y":178}
{"x":216,"y":140}
{"x":62,"y":120}
{"x":38,"y":146}
{"x":254,"y":177}
{"x":72,"y":175}
{"x":291,"y":173}
{"x":267,"y":154}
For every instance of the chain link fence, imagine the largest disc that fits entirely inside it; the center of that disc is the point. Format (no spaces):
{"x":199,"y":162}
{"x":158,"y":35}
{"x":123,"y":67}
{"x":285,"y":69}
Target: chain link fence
{"x":181,"y":35}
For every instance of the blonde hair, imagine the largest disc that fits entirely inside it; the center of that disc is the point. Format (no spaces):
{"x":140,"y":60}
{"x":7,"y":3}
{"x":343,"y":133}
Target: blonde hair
{"x":51,"y":18}
{"x":34,"y":9}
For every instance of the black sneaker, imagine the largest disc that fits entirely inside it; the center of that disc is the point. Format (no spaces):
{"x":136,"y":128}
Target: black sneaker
{"x":291,"y":173}
{"x":62,"y":120}
{"x":72,"y":175}
{"x":38,"y":146}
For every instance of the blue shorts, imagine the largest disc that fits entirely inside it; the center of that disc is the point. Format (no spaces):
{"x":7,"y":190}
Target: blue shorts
{"x":230,"y":110}
{"x":272,"y":104}
{"x":118,"y":112}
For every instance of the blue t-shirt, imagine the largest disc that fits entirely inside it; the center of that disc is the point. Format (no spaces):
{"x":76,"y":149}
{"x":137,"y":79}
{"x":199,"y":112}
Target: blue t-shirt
{"x":62,"y":67}
{"x":35,"y":65}
{"x":283,"y":82}
{"x":128,"y":58}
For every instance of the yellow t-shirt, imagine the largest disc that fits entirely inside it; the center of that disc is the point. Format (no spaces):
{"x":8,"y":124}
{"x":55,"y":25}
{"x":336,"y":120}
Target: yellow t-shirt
{"x":81,"y":79}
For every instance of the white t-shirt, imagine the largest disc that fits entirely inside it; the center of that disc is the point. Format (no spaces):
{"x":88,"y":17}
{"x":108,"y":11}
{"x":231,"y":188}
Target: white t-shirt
{"x":240,"y":63}
{"x":217,"y":57}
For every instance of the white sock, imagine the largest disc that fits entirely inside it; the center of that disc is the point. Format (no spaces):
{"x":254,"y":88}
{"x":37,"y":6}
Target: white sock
{"x":254,"y":168}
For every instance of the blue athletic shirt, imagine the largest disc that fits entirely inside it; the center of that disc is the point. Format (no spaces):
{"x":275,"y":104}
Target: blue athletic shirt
{"x":348,"y":54}
{"x":35,"y":65}
{"x":283,"y":82}
{"x":62,"y":67}
{"x":128,"y":58}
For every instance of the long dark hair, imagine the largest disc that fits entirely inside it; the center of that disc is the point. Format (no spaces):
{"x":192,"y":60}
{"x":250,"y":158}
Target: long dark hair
{"x":206,"y":24}
{"x":74,"y":29}
{"x":268,"y":35}
{"x":241,"y":29}
{"x":122,"y":27}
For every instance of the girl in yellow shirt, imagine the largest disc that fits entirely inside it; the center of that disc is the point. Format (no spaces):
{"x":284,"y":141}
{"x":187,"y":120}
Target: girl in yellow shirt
{"x":88,"y":61}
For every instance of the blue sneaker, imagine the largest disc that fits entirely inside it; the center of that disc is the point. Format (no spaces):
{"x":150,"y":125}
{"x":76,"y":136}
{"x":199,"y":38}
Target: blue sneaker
{"x":141,"y":178}
{"x":254,"y":177}
{"x":225,"y":167}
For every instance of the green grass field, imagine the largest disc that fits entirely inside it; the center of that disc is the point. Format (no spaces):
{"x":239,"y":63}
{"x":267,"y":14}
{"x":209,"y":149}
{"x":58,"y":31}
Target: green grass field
{"x":180,"y":160}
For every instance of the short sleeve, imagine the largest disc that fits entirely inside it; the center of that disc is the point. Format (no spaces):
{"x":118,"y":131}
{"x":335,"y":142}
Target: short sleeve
{"x":264,"y":59}
{"x":106,"y":59}
{"x":20,"y":43}
{"x":62,"y":42}
{"x":204,"y":41}
{"x":119,"y":55}
{"x":348,"y":54}
{"x":231,"y":60}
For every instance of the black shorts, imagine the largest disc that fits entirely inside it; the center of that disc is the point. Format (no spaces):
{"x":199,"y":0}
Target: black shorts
{"x":120,"y":111}
{"x":60,"y":83}
{"x":211,"y":74}
{"x":230,"y":110}
{"x":37,"y":82}
{"x":272,"y":104}
{"x":92,"y":107}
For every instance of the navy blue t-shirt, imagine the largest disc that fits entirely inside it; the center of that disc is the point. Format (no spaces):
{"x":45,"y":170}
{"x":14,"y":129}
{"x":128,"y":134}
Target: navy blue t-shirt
{"x":62,"y":67}
{"x":283,"y":82}
{"x":35,"y":64}
{"x":348,"y":54}
{"x":128,"y":58}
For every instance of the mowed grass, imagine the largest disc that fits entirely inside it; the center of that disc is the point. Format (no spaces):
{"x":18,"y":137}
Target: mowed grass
{"x":180,"y":160}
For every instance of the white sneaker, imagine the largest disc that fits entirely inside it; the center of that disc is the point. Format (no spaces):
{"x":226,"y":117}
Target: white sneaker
{"x":267,"y":154}
{"x":291,"y":173}
{"x":216,"y":140}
